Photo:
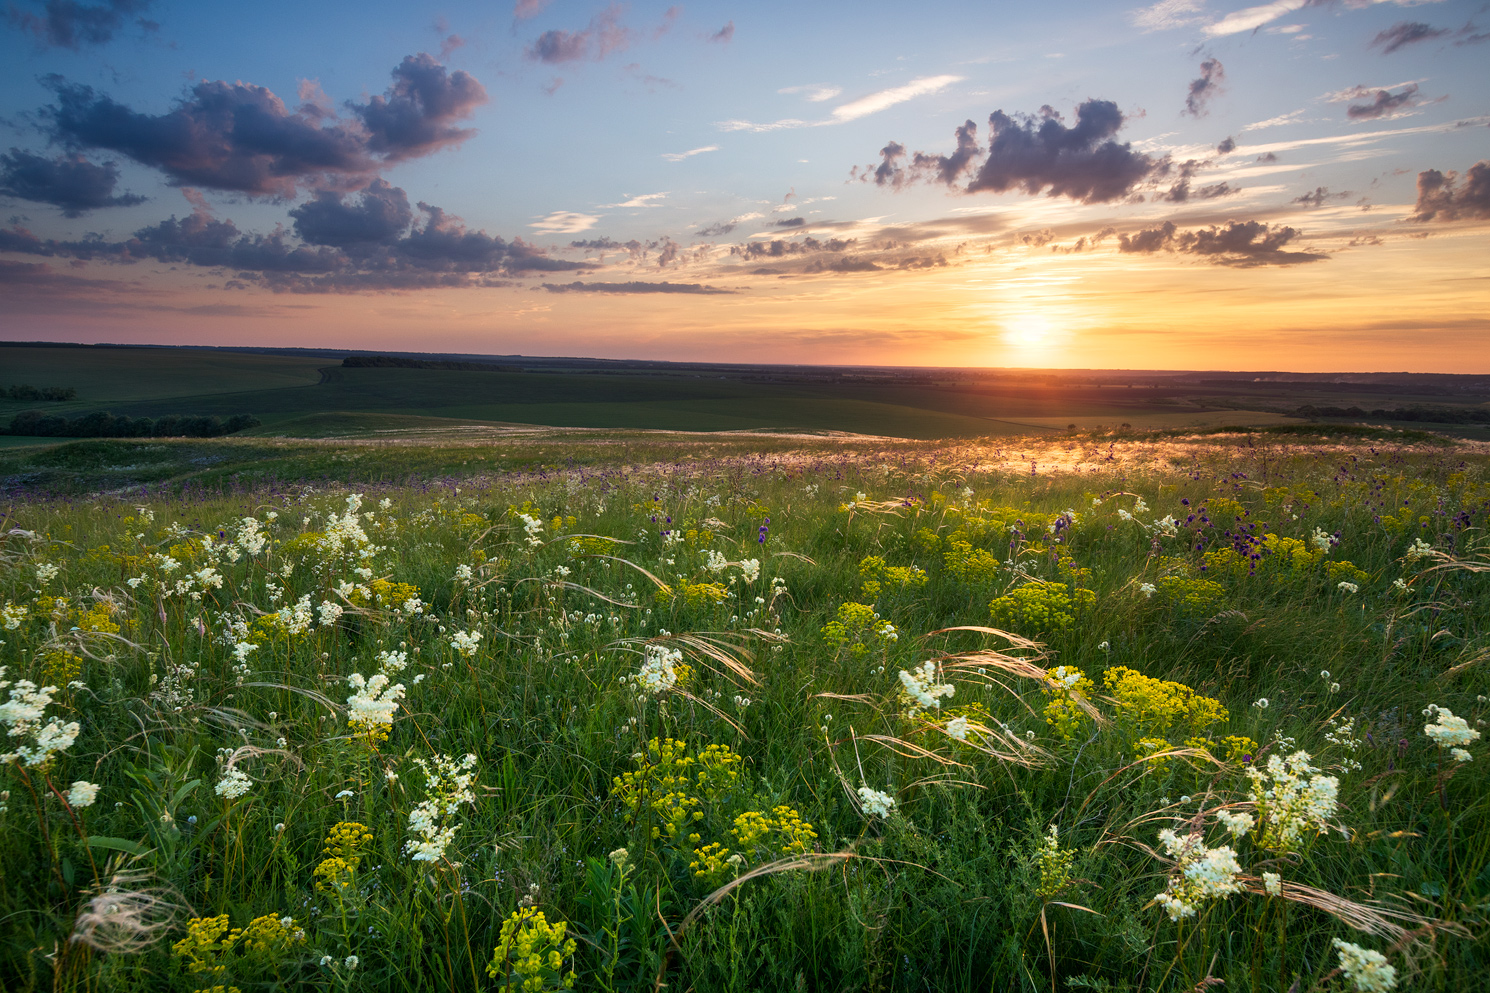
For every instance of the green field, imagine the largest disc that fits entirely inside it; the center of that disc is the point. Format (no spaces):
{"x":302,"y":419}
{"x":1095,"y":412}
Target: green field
{"x":745,"y":712}
{"x":310,"y":396}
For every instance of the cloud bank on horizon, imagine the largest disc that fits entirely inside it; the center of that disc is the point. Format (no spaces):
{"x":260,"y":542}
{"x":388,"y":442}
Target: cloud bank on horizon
{"x":1062,"y":167}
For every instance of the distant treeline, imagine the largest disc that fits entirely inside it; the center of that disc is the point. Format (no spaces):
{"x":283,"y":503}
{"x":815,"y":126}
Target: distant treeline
{"x":102,"y":424}
{"x":396,"y":362}
{"x":1437,"y":415}
{"x":31,"y":393}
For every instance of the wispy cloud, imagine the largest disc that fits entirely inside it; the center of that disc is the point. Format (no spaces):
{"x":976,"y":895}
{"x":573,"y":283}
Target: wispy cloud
{"x":1168,"y":14}
{"x":884,"y":99}
{"x":854,"y":109}
{"x":640,"y":200}
{"x":815,"y":92}
{"x":680,"y":156}
{"x":564,"y":222}
{"x":1252,"y":18}
{"x":1292,"y":117}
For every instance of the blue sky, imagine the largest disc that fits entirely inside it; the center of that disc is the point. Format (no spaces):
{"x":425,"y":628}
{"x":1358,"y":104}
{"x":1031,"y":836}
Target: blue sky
{"x":702,"y":181}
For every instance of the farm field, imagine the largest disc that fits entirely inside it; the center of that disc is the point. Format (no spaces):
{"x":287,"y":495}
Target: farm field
{"x":529,"y":708}
{"x":304,"y":395}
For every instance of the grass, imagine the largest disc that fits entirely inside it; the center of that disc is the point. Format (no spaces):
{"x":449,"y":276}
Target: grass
{"x":584,"y":597}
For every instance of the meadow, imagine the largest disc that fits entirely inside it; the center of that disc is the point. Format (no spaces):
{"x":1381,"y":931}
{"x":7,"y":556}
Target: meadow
{"x":634,"y":711}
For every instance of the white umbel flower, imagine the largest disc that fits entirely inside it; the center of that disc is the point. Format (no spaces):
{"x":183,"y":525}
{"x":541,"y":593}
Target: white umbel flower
{"x":875,"y":803}
{"x":233,"y":784}
{"x":1367,"y":970}
{"x":82,"y":794}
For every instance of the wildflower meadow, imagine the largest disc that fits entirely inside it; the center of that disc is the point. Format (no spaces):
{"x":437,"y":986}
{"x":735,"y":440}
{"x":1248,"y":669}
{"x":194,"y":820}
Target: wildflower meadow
{"x":833,"y":718}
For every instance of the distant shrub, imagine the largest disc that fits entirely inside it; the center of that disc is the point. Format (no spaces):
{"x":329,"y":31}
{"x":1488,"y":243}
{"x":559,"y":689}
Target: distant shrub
{"x":102,"y":424}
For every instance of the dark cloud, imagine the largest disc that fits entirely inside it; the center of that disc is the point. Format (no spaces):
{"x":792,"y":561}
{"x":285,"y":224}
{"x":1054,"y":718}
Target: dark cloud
{"x":1182,"y":192}
{"x":1405,"y":33}
{"x":379,"y":216}
{"x":68,"y":24}
{"x":1319,"y":197}
{"x":1034,"y":154}
{"x":1038,"y":239}
{"x":241,"y":137}
{"x":1267,"y":157}
{"x":780,"y":248}
{"x":604,"y":35}
{"x":68,"y":181}
{"x":1227,"y":146}
{"x":372,"y":243}
{"x":607,"y":244}
{"x":1383,"y":103}
{"x":1441,"y":198}
{"x":1235,"y":243}
{"x":846,"y":263}
{"x":1204,"y":87}
{"x":790,"y":222}
{"x":717,"y":230}
{"x":724,"y":34}
{"x":634,"y":287}
{"x":417,"y":114}
{"x":667,"y":252}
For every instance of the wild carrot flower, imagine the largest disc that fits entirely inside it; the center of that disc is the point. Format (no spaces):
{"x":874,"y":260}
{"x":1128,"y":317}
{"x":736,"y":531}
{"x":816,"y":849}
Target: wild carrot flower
{"x":233,"y":784}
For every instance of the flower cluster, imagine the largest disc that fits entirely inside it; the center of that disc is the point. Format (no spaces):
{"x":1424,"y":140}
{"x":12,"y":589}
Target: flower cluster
{"x":876,"y":803}
{"x":1367,"y":970}
{"x":1448,"y":730}
{"x":1292,"y":799}
{"x":448,"y":785}
{"x":371,"y":706}
{"x":921,"y":686}
{"x":22,"y":716}
{"x":1201,"y":874}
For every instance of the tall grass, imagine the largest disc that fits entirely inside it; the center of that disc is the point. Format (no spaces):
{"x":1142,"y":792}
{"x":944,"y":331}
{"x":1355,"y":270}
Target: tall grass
{"x":679,"y":724}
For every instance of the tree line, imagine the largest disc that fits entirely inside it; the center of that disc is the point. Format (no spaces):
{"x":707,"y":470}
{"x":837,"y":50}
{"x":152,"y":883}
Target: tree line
{"x":1437,"y":415}
{"x":28,"y":393}
{"x":102,"y":424}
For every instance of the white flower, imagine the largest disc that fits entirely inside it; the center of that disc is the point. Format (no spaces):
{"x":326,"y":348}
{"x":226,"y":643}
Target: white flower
{"x":351,"y":961}
{"x":1261,"y":703}
{"x":1106,"y":646}
{"x":448,"y":782}
{"x":715,"y":562}
{"x":344,"y":795}
{"x":875,"y":803}
{"x":464,"y":642}
{"x":957,"y":728}
{"x":860,"y":497}
{"x":374,"y":701}
{"x":1322,"y":540}
{"x":923,"y":688}
{"x":327,"y":960}
{"x":1348,"y":587}
{"x":1292,"y":798}
{"x":1201,"y":874}
{"x":233,"y":784}
{"x":657,"y":673}
{"x":1147,"y":589}
{"x":1236,"y":823}
{"x":463,"y":573}
{"x":1272,"y":883}
{"x":329,"y":612}
{"x":82,"y":794}
{"x":750,"y":569}
{"x":1460,"y":755}
{"x":1419,"y":549}
{"x":1450,"y":730}
{"x":1367,"y":970}
{"x":46,"y":572}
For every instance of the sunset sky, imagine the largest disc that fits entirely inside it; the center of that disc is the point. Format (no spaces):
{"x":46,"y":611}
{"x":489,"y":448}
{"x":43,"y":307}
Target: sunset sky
{"x":1193,"y":184}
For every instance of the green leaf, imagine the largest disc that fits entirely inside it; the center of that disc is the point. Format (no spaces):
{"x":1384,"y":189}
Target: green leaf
{"x":117,"y":844}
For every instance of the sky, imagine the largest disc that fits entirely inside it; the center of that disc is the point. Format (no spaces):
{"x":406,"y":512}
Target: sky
{"x":1299,"y":185}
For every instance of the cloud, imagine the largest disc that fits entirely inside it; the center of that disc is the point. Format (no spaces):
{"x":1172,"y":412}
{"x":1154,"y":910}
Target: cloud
{"x":716,"y":230}
{"x":1440,"y":198}
{"x":565,"y":222}
{"x":524,"y":9}
{"x":1168,"y":14}
{"x":790,"y":222}
{"x":1405,"y":33}
{"x":1252,"y":18}
{"x":1034,"y":153}
{"x":884,"y":99}
{"x":1235,"y":243}
{"x":68,"y":181}
{"x":1227,"y":146}
{"x":69,"y":24}
{"x":1206,"y":86}
{"x":379,"y":216}
{"x":604,"y":35}
{"x":854,"y":109}
{"x":1383,"y":104}
{"x":724,"y":34}
{"x":779,"y":248}
{"x":371,"y":244}
{"x":416,"y":115}
{"x":815,"y":92}
{"x":635,"y":287}
{"x":1292,"y":117}
{"x":241,"y":137}
{"x":680,"y":156}
{"x":1319,"y":197}
{"x":641,"y":200}
{"x":1267,"y":157}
